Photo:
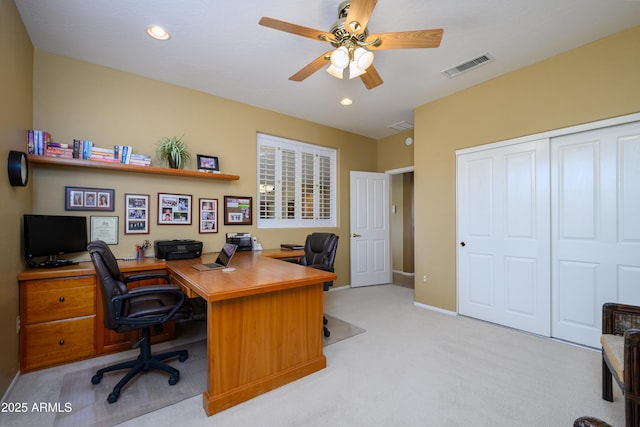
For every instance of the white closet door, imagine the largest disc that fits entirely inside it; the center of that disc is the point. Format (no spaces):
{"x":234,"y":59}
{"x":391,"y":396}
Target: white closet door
{"x":595,"y":185}
{"x":503,"y":235}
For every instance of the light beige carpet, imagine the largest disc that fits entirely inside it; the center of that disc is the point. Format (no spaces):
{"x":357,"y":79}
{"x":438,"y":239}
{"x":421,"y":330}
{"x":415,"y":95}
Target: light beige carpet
{"x":151,"y":391}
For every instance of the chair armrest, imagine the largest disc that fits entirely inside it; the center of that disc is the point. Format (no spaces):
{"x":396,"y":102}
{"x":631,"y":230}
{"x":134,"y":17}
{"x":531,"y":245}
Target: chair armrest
{"x":617,"y":318}
{"x":119,"y":303}
{"x":632,"y":362}
{"x":145,"y":276}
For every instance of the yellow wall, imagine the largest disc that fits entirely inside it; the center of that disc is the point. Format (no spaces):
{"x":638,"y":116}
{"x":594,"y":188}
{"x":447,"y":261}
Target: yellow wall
{"x":393,"y":153}
{"x":75,"y":99}
{"x":16,"y":76}
{"x":590,"y":83}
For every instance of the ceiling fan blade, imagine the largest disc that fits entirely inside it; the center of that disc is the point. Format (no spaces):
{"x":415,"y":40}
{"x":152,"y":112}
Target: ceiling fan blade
{"x":407,"y":39}
{"x":359,"y":13}
{"x":371,"y":78}
{"x":288,"y":27}
{"x":311,"y":67}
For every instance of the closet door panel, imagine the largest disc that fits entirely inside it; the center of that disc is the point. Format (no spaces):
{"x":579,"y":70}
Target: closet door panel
{"x":595,"y":185}
{"x":503,"y":231}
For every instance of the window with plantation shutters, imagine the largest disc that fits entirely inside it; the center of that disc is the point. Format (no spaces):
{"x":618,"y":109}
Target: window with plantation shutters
{"x":296,"y":184}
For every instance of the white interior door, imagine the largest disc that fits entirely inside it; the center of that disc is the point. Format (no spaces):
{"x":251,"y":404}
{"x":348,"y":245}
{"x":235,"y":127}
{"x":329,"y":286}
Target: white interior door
{"x":595,"y":181}
{"x":503,"y":235}
{"x":370,"y":238}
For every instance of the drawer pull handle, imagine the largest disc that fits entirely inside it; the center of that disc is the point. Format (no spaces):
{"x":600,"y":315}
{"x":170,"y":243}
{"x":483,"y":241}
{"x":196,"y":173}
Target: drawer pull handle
{"x":61,"y":299}
{"x":61,"y":342}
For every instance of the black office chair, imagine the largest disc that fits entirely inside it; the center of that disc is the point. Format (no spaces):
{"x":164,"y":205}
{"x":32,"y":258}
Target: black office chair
{"x":320,"y":252}
{"x":139,"y":308}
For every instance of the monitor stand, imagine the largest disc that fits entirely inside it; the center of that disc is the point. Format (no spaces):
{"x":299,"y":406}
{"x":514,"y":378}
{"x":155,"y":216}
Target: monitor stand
{"x":54,"y":262}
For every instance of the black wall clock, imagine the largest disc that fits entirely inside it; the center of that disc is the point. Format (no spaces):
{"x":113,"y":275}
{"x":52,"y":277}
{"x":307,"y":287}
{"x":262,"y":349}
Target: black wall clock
{"x":18,"y":168}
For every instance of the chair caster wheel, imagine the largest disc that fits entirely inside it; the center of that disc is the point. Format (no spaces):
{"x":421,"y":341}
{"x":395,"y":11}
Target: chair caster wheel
{"x":113,"y":398}
{"x":183,"y":357}
{"x":96,"y":379}
{"x":173,"y":380}
{"x":327,"y":333}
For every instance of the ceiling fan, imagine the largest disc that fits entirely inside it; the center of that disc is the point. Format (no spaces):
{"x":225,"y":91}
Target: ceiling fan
{"x":353,"y":44}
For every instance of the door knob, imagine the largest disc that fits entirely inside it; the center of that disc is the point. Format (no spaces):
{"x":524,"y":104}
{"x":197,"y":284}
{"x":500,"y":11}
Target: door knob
{"x":463,"y":244}
{"x":356,"y":235}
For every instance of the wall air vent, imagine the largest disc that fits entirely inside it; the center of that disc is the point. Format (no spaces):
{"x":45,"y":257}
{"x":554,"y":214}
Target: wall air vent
{"x":401,"y":125}
{"x":469,"y":65}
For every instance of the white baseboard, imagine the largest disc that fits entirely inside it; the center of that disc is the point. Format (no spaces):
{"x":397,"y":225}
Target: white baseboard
{"x":432,"y":308}
{"x":403,"y":273}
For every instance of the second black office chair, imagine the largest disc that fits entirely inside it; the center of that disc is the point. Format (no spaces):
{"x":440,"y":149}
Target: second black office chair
{"x":320,"y":252}
{"x":139,"y":308}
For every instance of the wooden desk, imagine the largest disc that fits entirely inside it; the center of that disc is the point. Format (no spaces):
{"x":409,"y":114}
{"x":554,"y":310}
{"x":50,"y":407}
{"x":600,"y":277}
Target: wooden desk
{"x":264,"y":325}
{"x":61,"y":314}
{"x":281,"y":253}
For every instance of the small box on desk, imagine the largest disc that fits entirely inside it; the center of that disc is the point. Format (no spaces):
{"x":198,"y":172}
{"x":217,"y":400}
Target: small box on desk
{"x":291,"y":247}
{"x":243,"y":240}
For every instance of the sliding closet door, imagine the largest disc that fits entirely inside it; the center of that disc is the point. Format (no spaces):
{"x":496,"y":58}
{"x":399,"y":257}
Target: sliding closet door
{"x":503,"y":235}
{"x":595,"y":185}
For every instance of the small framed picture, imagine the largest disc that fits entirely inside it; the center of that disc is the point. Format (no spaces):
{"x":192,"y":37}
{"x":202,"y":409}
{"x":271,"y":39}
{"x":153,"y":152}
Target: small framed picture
{"x":136,"y":211}
{"x":105,"y":228}
{"x":208,"y":163}
{"x":88,"y":199}
{"x":208,"y":215}
{"x":174,"y":209}
{"x":237,"y":210}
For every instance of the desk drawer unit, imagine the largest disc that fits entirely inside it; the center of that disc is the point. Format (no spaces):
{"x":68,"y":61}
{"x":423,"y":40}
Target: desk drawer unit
{"x":58,"y":321}
{"x":57,"y":342}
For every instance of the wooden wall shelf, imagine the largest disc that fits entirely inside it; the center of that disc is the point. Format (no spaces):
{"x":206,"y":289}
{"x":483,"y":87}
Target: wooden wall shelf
{"x":92,"y":164}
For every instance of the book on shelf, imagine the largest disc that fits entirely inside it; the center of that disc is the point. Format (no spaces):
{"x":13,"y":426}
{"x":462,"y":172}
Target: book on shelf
{"x":40,"y":143}
{"x":57,"y":149}
{"x":37,"y":141}
{"x":122,"y":153}
{"x":82,"y":149}
{"x":291,"y":247}
{"x":140,"y":160}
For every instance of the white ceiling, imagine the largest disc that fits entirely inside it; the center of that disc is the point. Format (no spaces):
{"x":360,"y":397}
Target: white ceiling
{"x":218,"y":47}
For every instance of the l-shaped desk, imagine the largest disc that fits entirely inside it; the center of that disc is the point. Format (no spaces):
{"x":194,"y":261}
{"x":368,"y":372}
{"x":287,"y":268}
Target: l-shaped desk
{"x":264,"y":323}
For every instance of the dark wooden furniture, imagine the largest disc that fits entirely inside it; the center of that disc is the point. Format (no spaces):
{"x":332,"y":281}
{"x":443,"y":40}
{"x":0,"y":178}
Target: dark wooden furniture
{"x":590,"y":422}
{"x":621,"y":356}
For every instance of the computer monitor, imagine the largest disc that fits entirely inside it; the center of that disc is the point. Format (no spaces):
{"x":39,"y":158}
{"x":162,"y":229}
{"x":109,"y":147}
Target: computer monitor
{"x":53,"y":235}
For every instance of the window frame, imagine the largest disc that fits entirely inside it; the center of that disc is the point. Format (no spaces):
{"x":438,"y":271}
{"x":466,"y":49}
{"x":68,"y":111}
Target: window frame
{"x":282,"y":160}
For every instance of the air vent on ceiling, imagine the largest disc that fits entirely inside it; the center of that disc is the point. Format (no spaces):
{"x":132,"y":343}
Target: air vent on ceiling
{"x":475,"y":62}
{"x":403,"y":125}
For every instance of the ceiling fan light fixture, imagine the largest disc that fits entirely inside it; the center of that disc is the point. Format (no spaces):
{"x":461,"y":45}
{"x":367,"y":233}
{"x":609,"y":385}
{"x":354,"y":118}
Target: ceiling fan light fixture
{"x":355,"y":71}
{"x":340,"y":58}
{"x":363,"y":58}
{"x":335,"y":71}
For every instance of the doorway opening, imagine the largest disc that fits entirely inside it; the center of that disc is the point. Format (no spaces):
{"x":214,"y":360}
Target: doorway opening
{"x":402,"y":226}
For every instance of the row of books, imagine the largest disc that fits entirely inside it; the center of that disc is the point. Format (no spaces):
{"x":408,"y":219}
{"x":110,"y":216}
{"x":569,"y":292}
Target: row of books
{"x":40,"y":143}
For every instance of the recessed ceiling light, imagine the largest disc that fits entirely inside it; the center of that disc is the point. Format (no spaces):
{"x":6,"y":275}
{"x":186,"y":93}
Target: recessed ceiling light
{"x":346,"y":101}
{"x":158,"y":33}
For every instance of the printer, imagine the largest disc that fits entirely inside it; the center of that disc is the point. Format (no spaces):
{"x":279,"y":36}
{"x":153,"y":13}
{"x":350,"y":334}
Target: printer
{"x":177,"y":249}
{"x":243,"y":240}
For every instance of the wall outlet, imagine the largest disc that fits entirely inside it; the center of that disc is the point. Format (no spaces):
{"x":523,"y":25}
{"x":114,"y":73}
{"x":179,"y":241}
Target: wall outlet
{"x":424,"y":279}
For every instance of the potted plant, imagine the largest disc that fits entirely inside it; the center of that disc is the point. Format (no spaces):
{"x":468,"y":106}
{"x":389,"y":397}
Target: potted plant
{"x":174,"y":151}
